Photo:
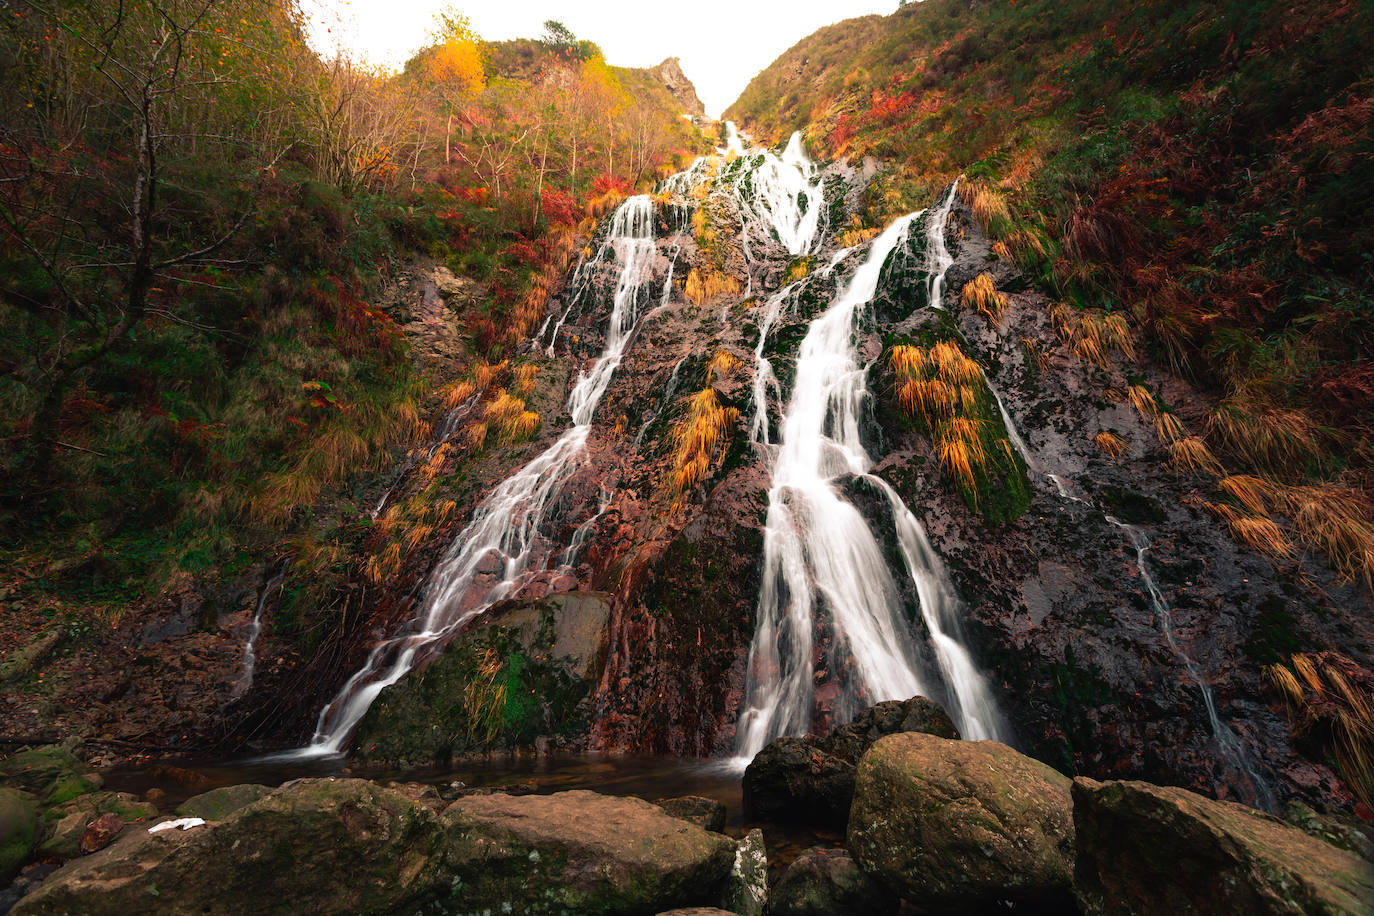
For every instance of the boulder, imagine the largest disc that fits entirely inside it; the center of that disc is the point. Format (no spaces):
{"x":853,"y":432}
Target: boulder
{"x":100,"y":833}
{"x":217,"y":804}
{"x":18,"y":827}
{"x":322,"y":845}
{"x":580,"y":852}
{"x":1155,"y":849}
{"x":747,"y":888}
{"x":822,"y":882}
{"x":706,"y":813}
{"x":352,"y":846}
{"x":811,"y":778}
{"x":961,"y":825}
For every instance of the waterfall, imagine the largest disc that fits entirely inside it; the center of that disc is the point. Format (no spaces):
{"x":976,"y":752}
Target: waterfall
{"x":250,"y":654}
{"x":486,"y":561}
{"x":784,"y":193}
{"x":1228,"y":743}
{"x":822,"y":560}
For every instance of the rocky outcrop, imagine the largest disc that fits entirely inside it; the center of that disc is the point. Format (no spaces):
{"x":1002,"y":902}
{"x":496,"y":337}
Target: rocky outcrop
{"x":811,"y":778}
{"x":822,"y":882}
{"x":707,"y":813}
{"x":349,"y":845}
{"x":679,"y":86}
{"x":958,"y":825}
{"x":1155,"y":849}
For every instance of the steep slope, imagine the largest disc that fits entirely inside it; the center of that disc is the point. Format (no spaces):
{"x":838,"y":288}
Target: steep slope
{"x":1190,"y":180}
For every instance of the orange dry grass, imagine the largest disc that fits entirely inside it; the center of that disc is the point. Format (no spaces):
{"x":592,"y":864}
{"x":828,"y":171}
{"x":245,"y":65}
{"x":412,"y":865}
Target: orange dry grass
{"x":1110,"y":444}
{"x":1337,"y":521}
{"x":1092,"y":335}
{"x":1191,"y":454}
{"x":981,"y":293}
{"x":1253,"y":493}
{"x":697,"y":438}
{"x":1266,"y":437}
{"x":706,"y":284}
{"x":989,"y":206}
{"x":1169,"y":427}
{"x":1034,"y":354}
{"x":722,"y":364}
{"x":457,"y":393}
{"x":1333,"y":698}
{"x":1143,"y":401}
{"x":1261,"y":534}
{"x":524,"y":380}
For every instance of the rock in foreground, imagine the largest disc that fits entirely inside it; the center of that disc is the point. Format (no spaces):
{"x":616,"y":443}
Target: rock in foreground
{"x":1154,"y":849}
{"x":820,"y":882}
{"x":961,"y":826}
{"x":811,"y":778}
{"x":580,"y":852}
{"x":351,"y":846}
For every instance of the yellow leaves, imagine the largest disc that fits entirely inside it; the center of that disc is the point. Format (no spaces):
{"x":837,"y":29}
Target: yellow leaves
{"x":458,"y":63}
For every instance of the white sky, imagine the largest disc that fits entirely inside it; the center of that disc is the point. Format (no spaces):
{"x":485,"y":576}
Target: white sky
{"x":722,"y":43}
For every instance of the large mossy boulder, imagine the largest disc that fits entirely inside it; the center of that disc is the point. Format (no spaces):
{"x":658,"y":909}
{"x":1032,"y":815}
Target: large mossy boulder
{"x":217,"y":804}
{"x":580,"y":853}
{"x":1145,"y":849}
{"x":822,"y":882}
{"x":961,"y":826}
{"x":523,"y":673}
{"x":18,"y":828}
{"x":810,"y":779}
{"x":317,"y":845}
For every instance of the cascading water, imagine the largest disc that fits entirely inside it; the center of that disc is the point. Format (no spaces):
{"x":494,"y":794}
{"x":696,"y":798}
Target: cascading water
{"x":783,"y":193}
{"x":1228,"y":743}
{"x":503,"y":540}
{"x":250,"y":652}
{"x":821,"y":557}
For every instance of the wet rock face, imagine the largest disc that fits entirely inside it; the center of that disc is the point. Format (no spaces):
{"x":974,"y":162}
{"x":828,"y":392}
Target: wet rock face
{"x":810,"y":779}
{"x":1150,"y":849}
{"x":523,"y":673}
{"x":960,"y":825}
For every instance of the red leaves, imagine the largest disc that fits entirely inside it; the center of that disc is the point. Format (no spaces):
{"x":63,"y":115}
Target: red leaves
{"x":560,"y":209}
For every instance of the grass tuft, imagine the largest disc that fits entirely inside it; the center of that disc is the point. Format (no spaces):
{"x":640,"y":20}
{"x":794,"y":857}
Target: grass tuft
{"x":981,"y":293}
{"x":1331,"y":698}
{"x":1110,"y":444}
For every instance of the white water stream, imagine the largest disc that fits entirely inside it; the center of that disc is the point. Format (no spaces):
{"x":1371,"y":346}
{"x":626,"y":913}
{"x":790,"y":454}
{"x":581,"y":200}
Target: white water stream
{"x":488,"y":558}
{"x":822,"y":560}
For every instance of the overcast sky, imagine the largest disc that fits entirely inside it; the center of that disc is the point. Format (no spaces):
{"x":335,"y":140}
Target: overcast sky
{"x":722,"y":43}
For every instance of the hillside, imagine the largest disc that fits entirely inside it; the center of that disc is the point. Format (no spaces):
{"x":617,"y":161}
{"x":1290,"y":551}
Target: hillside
{"x":1202,"y":169}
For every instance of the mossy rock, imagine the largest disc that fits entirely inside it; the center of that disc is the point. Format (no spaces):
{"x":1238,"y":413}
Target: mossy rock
{"x":66,"y":823}
{"x":962,"y":825}
{"x":18,"y":828}
{"x":525,"y":672}
{"x":579,"y":853}
{"x":217,"y":804}
{"x":821,"y":882}
{"x":318,"y":845}
{"x":1157,"y":849}
{"x":53,"y":772}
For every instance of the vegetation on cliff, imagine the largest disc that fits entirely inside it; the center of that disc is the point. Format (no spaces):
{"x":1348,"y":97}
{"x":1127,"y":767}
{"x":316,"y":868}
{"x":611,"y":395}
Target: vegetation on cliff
{"x":197,"y":213}
{"x":1197,"y":174}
